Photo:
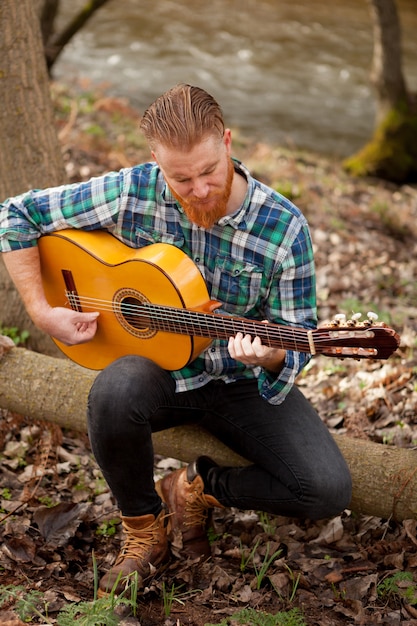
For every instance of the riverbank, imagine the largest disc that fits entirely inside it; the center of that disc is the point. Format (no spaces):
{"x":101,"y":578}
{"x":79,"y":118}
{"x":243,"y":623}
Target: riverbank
{"x":289,"y":73}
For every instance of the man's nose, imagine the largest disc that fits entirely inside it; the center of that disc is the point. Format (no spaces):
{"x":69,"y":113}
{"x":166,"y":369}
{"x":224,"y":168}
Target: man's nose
{"x":200,"y":189}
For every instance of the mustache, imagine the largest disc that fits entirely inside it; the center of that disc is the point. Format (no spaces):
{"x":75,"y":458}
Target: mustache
{"x":213,"y":195}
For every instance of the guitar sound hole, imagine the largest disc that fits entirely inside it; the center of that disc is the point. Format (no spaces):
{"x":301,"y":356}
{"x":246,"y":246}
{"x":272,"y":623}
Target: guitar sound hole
{"x":131,"y":308}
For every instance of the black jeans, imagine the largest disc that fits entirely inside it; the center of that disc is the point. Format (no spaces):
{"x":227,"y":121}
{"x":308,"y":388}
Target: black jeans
{"x":297,"y":469}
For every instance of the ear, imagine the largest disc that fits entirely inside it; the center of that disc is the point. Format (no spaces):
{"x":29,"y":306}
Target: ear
{"x":227,"y":140}
{"x":154,"y":156}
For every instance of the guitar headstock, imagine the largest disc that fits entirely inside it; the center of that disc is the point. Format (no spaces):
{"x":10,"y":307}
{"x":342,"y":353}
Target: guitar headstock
{"x":366,"y":339}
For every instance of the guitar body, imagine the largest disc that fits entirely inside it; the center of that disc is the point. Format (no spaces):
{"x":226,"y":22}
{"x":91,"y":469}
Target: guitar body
{"x":108,"y":271}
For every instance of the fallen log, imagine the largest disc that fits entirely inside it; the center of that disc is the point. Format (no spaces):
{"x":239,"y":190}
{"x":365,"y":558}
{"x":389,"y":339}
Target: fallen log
{"x":56,"y":390}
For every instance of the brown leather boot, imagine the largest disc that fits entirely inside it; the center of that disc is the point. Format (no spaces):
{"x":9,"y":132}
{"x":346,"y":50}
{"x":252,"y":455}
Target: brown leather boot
{"x":145,"y":547}
{"x":188,"y":505}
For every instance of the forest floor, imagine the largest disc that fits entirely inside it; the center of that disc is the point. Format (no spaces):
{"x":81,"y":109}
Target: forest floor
{"x":59,"y":522}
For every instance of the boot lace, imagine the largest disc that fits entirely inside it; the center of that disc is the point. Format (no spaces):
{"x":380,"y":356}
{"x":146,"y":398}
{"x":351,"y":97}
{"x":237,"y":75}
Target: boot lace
{"x":196,"y":509}
{"x":138,"y":542}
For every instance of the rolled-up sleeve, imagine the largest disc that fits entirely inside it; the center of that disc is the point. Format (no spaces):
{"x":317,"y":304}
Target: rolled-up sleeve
{"x":89,"y":205}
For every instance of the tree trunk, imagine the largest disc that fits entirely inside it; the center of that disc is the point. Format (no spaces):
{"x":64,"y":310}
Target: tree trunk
{"x":30,"y":156}
{"x":56,"y":390}
{"x":391,"y":154}
{"x":33,"y":156}
{"x":386,"y":72}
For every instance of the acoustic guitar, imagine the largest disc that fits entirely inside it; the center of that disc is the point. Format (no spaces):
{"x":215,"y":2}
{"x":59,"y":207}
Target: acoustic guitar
{"x":153,"y":302}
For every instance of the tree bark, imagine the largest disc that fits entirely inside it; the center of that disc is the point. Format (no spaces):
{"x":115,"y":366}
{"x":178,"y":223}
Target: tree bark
{"x":386,"y":72}
{"x":56,"y":390}
{"x":33,"y":155}
{"x":30,"y":156}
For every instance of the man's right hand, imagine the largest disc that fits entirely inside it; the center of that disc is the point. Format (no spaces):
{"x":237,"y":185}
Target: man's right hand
{"x":68,"y":326}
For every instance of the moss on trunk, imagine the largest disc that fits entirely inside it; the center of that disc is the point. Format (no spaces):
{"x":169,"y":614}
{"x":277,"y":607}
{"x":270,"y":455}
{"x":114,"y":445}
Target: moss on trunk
{"x":392,"y":152}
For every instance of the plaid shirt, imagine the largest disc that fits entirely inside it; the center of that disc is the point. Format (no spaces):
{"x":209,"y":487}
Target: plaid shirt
{"x":258,"y":262}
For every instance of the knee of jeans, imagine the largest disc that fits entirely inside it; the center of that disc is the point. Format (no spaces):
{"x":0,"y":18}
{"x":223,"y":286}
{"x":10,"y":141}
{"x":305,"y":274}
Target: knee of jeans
{"x":122,"y":387}
{"x":332,"y":496}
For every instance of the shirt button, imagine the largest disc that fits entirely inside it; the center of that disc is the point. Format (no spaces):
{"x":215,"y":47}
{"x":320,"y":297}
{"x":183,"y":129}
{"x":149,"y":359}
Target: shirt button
{"x":197,"y":259}
{"x":201,"y":379}
{"x":213,"y":349}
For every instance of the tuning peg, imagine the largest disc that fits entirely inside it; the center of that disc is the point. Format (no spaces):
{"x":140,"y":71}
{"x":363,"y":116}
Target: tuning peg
{"x":354,"y":319}
{"x":372,"y":317}
{"x":339,"y":319}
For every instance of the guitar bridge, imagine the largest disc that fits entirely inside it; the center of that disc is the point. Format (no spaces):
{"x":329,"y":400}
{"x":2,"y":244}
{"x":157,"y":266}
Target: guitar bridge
{"x":71,"y":291}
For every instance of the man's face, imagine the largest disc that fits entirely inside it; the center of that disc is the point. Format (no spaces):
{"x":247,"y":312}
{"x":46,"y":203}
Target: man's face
{"x":200,"y":179}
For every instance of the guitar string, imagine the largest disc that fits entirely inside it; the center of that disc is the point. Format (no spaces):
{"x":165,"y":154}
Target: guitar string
{"x":164,"y":315}
{"x":173,"y":315}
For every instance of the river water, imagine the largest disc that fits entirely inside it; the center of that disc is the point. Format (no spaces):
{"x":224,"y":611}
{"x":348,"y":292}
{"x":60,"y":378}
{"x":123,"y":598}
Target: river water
{"x":286,"y":71}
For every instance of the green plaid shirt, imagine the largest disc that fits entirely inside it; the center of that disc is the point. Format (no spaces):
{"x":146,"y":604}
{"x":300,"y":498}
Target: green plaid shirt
{"x":257,"y":262}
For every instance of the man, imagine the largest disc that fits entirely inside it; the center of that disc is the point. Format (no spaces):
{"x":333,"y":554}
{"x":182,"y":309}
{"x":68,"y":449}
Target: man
{"x":254,"y":251}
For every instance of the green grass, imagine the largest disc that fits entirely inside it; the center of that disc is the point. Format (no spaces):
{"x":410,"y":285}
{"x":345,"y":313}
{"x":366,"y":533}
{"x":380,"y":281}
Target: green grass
{"x":251,"y":617}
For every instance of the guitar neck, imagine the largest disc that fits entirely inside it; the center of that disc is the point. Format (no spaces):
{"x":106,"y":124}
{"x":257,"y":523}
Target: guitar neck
{"x":357,"y":340}
{"x":219,"y":326}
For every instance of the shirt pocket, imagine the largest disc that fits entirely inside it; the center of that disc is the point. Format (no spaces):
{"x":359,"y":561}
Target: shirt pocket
{"x":237,"y":285}
{"x":146,"y":237}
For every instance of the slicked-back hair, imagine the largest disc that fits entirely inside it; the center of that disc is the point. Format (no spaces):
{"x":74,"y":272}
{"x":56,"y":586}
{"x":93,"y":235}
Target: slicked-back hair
{"x":182,"y":117}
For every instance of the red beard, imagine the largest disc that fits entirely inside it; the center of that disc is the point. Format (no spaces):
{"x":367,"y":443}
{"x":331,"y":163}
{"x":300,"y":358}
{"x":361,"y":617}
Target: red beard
{"x":206,"y":212}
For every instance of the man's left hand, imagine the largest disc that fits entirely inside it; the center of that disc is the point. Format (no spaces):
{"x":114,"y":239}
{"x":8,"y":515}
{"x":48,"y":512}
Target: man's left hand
{"x":253,"y":353}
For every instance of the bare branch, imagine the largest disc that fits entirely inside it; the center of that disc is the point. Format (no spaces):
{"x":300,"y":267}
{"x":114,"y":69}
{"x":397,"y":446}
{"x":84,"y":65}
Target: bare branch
{"x":58,"y":41}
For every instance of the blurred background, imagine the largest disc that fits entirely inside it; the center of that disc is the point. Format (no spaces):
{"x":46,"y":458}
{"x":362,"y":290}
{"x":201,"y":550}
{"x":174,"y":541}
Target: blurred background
{"x":285,"y":71}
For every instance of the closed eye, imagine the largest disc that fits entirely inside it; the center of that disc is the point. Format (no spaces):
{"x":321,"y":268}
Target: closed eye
{"x":206,"y":172}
